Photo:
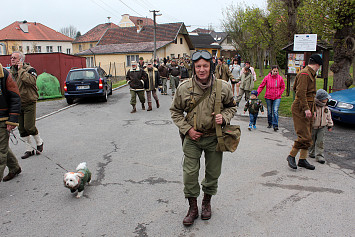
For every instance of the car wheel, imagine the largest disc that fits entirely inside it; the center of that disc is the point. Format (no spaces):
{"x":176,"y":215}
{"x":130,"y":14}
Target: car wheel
{"x":110,"y":89}
{"x":70,"y":101}
{"x":104,"y":98}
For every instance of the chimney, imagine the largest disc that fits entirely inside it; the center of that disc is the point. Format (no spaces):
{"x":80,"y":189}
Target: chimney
{"x":24,"y":26}
{"x":139,"y":25}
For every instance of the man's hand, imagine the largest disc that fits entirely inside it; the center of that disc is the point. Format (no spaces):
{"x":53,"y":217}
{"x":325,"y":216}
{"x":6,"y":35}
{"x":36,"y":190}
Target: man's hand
{"x":244,"y":112}
{"x":308,"y":113}
{"x":218,"y":118}
{"x":10,"y":127}
{"x":194,"y":134}
{"x":330,"y":129}
{"x":262,"y":112}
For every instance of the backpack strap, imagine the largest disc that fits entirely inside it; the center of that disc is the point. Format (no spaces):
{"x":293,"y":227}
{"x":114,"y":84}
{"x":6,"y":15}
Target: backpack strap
{"x":217,"y":110}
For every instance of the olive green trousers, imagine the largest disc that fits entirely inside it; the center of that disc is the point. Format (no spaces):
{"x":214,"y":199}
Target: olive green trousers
{"x":27,"y":120}
{"x":7,"y":158}
{"x":134,"y":97}
{"x":191,"y":167}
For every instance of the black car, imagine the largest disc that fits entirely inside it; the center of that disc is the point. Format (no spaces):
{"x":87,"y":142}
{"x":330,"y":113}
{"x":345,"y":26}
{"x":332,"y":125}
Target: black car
{"x":87,"y":82}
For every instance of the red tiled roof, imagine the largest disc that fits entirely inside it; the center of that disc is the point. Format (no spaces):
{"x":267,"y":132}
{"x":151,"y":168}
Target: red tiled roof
{"x":146,"y":21}
{"x":165,"y":32}
{"x":36,"y":31}
{"x":95,"y":33}
{"x":124,"y":48}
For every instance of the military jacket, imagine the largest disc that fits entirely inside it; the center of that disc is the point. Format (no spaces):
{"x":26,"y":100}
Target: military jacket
{"x":189,"y":93}
{"x":305,"y":88}
{"x":25,"y":78}
{"x":254,"y":105}
{"x":222,"y":72}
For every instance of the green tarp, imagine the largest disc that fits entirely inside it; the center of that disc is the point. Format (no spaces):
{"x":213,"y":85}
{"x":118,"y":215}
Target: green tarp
{"x":48,"y":86}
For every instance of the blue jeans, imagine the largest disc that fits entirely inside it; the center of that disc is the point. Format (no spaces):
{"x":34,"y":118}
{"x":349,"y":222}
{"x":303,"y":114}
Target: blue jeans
{"x":273,"y":111}
{"x":253,"y":118}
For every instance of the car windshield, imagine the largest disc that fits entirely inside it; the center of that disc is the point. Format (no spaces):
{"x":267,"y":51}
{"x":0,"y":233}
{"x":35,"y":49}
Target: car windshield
{"x":82,"y":75}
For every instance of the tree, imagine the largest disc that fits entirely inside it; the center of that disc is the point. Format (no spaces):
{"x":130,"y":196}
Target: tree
{"x":77,"y":34}
{"x":333,"y":21}
{"x":69,"y":31}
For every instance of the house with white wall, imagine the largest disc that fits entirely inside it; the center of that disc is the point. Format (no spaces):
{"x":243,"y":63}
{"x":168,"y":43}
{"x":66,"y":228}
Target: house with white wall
{"x":33,"y":37}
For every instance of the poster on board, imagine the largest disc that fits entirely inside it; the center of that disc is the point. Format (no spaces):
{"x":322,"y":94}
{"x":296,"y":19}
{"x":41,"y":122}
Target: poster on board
{"x":305,"y":42}
{"x":295,"y":62}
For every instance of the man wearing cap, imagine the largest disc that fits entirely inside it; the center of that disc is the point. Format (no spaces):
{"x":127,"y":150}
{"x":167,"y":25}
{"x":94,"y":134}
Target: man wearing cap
{"x":153,"y":82}
{"x":136,"y":78}
{"x":141,"y":63}
{"x":302,"y":112}
{"x":222,"y":71}
{"x":174,"y":71}
{"x":196,"y":97}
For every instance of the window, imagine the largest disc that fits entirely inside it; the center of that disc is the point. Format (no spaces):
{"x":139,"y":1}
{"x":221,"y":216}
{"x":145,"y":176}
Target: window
{"x":20,"y":48}
{"x":28,"y":49}
{"x":214,"y":53}
{"x":49,"y":49}
{"x":131,"y":58}
{"x":14,"y":48}
{"x":91,"y":45}
{"x":172,"y":56}
{"x":90,"y":61}
{"x":68,"y":51}
{"x":180,"y":40}
{"x":175,"y":41}
{"x":80,"y":47}
{"x":38,"y":49}
{"x":229,"y":40}
{"x":59,"y":49}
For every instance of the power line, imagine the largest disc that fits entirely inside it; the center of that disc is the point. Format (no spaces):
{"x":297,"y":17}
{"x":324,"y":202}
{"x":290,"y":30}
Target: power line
{"x":130,"y":8}
{"x":103,"y":7}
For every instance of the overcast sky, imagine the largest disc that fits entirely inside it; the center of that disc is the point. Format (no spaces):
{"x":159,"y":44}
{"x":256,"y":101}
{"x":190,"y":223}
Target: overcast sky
{"x":86,"y":14}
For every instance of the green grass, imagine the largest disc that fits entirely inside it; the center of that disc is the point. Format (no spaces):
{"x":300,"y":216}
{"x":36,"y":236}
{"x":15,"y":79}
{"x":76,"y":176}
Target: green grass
{"x":119,"y":83}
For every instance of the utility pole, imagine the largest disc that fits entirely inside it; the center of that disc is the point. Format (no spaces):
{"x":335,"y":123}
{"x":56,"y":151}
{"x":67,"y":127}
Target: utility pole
{"x":155,"y":31}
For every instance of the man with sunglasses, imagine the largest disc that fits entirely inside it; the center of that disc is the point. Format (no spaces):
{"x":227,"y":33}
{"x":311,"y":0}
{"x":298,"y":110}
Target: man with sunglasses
{"x":196,"y":97}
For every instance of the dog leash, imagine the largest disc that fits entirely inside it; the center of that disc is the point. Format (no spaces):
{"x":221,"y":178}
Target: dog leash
{"x":16,"y":142}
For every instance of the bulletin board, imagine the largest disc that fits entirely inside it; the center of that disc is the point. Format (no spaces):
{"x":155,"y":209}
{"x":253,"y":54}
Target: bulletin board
{"x":295,"y":62}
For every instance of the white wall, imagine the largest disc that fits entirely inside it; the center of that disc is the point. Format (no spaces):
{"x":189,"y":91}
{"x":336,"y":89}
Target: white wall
{"x":44,"y":44}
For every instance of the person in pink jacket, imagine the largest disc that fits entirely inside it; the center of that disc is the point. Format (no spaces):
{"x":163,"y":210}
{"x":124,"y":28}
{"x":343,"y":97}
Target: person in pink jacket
{"x":275,"y":86}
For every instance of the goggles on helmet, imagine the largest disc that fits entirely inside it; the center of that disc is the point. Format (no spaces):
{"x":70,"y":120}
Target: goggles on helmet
{"x":201,"y":54}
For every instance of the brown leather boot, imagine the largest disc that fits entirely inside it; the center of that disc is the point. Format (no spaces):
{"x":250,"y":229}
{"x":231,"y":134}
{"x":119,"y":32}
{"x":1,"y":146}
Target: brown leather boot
{"x":11,"y":175}
{"x":134,"y":109}
{"x":143,"y":106}
{"x":192,"y":214}
{"x":149,"y":106}
{"x":158,"y":105}
{"x":206,"y":207}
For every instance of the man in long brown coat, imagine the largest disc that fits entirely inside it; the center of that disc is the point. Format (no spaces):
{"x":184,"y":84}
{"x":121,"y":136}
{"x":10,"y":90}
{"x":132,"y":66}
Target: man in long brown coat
{"x":222,"y":71}
{"x":302,"y":112}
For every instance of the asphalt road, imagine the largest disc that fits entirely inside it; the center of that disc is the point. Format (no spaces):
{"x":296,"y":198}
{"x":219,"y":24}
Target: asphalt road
{"x":137,"y":180}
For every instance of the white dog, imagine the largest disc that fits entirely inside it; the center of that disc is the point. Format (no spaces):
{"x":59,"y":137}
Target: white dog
{"x":77,"y":180}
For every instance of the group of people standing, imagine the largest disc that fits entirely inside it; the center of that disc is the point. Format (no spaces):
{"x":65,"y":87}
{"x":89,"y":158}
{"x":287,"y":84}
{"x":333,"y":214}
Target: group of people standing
{"x":150,"y":77}
{"x":18,"y":98}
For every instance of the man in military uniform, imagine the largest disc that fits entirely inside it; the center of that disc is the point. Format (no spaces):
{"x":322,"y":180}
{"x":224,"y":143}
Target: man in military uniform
{"x":25,"y":77}
{"x":174,"y":71}
{"x":10,"y":106}
{"x":136,"y":78}
{"x":302,"y":112}
{"x":141,"y":63}
{"x":199,"y":129}
{"x":222,"y":71}
{"x":153,"y":82}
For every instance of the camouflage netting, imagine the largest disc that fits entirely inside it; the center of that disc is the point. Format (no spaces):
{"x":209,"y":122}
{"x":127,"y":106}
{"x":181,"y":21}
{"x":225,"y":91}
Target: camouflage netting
{"x":48,"y":86}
